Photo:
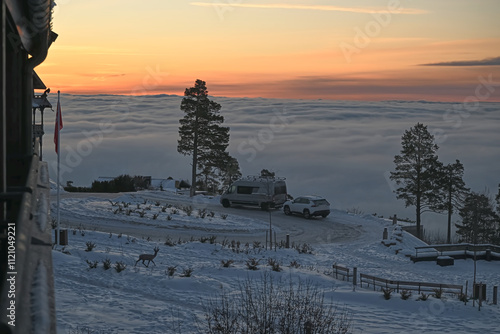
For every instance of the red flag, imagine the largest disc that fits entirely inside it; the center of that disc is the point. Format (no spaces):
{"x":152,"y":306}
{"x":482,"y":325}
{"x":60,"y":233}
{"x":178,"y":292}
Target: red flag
{"x":59,"y":124}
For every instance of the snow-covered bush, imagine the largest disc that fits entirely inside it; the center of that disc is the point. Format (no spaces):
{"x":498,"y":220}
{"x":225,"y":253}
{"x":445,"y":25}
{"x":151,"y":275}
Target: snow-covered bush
{"x":270,"y":305}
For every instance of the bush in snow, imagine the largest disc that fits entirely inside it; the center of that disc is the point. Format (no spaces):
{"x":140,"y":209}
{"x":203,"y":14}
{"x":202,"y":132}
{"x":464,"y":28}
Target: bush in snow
{"x":253,"y":264}
{"x":171,"y":271}
{"x":92,"y":264}
{"x":106,"y":264}
{"x":120,"y":266}
{"x":90,"y":246}
{"x":187,"y":272}
{"x":405,"y":294}
{"x":274,"y":306}
{"x":226,"y":264}
{"x":438,"y":293}
{"x":294,"y":264}
{"x":275,"y":266}
{"x":387,"y":293}
{"x":463,"y":298}
{"x":423,"y":297}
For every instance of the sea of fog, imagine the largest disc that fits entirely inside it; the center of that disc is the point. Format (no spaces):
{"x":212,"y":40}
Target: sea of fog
{"x":342,"y":150}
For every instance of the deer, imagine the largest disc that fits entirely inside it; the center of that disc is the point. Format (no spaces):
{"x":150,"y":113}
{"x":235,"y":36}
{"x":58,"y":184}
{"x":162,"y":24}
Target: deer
{"x":148,"y":257}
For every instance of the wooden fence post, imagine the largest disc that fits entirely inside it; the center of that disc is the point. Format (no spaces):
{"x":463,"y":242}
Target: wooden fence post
{"x":495,"y":295}
{"x":354,"y":278}
{"x":308,"y":327}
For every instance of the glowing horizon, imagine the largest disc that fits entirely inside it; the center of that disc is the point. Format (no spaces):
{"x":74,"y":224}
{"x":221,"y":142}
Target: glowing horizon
{"x":366,"y":50}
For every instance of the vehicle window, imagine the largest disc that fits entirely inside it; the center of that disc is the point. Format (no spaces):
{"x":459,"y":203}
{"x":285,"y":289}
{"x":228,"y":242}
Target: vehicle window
{"x":321,"y":202}
{"x":280,"y":189}
{"x":299,"y":200}
{"x":247,"y":190}
{"x":231,"y":190}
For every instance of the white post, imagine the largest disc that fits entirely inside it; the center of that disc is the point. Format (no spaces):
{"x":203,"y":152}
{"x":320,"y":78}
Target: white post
{"x":58,"y":117}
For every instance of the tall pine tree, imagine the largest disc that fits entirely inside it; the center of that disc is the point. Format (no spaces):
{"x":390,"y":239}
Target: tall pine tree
{"x":416,"y":167}
{"x":451,"y":189}
{"x":479,"y":220}
{"x":201,"y":132}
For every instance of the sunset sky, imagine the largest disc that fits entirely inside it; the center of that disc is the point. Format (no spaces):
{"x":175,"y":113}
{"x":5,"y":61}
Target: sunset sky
{"x":432,"y":50}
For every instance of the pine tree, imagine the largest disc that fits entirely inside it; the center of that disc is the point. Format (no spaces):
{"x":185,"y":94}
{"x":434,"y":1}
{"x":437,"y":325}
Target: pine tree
{"x":479,"y":220}
{"x":451,"y":189}
{"x":416,"y":168}
{"x":201,"y":134}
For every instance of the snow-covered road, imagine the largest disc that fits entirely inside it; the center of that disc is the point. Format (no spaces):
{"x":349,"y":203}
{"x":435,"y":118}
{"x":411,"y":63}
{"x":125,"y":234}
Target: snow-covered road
{"x":93,"y":212}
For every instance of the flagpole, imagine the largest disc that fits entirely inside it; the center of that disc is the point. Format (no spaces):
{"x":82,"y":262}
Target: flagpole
{"x":58,"y":116}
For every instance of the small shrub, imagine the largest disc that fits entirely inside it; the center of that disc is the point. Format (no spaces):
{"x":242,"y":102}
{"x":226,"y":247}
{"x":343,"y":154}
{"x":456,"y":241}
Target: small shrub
{"x":256,"y":244}
{"x":174,"y":211}
{"x":294,"y":264}
{"x":227,"y":264}
{"x":223,"y":215}
{"x":252,"y":264}
{"x":423,"y":297}
{"x":163,"y":209}
{"x":211,"y":239}
{"x":157,"y":203}
{"x":211,"y":214}
{"x":119,"y":235}
{"x":275,"y":266}
{"x":463,"y":298}
{"x":187,"y":272}
{"x":169,"y":217}
{"x":170,"y":271}
{"x":120,"y":266}
{"x":169,"y":242}
{"x":92,"y":264}
{"x":106,"y":264}
{"x":304,"y":249}
{"x":90,"y":246}
{"x":405,"y":294}
{"x":188,"y":209}
{"x":438,"y":293}
{"x":202,"y":213}
{"x":156,"y":215}
{"x":387,"y":293}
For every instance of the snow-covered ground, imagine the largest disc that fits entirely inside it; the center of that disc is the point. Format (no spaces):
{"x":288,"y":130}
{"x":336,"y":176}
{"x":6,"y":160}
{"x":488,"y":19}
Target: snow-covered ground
{"x":144,"y":299}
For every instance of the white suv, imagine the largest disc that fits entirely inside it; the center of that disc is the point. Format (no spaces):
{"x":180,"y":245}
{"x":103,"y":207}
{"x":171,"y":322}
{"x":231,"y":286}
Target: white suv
{"x":308,"y":206}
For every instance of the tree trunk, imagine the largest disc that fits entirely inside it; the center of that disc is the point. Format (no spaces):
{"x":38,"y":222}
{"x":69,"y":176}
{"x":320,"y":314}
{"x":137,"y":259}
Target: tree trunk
{"x":192,"y":191}
{"x":418,"y":218}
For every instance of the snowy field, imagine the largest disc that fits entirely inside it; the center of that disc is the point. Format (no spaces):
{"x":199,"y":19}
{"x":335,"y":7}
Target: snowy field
{"x":144,"y":299}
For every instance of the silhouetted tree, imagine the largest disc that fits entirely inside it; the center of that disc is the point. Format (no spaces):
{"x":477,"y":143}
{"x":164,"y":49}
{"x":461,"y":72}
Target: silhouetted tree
{"x":479,"y":220}
{"x":416,"y":168}
{"x":200,"y":131}
{"x":452,"y":190}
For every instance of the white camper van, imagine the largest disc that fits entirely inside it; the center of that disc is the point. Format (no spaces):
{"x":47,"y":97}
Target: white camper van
{"x":265,"y":192}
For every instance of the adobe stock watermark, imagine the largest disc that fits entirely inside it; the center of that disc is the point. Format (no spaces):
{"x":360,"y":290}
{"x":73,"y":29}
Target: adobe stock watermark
{"x":221,"y":7}
{"x":363,"y":36}
{"x":456,"y":114}
{"x":265,"y":136}
{"x":91,"y":139}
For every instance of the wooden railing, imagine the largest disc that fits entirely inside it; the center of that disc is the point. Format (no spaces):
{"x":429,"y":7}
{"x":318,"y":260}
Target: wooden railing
{"x":341,"y":271}
{"x":408,"y":285}
{"x":457,"y":251}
